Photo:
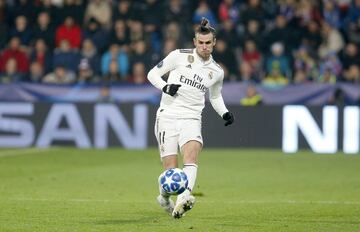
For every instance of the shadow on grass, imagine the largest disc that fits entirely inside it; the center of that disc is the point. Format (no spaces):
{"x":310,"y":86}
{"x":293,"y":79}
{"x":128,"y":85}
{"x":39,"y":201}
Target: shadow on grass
{"x":124,"y":221}
{"x":128,"y":221}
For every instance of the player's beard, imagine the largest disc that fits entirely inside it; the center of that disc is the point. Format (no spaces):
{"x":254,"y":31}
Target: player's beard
{"x":204,"y":55}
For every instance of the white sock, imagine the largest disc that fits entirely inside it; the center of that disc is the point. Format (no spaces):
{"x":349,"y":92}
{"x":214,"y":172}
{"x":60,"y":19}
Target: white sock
{"x":190,"y":170}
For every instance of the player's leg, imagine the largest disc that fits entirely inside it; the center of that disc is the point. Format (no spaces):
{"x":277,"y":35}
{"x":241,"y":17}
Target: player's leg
{"x":170,"y":161}
{"x":191,"y":145}
{"x":191,"y":151}
{"x":167,"y":140}
{"x":164,"y":199}
{"x":186,"y":201}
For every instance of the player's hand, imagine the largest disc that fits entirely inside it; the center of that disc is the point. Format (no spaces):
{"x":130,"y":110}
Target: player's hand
{"x":229,"y":118}
{"x":171,"y":89}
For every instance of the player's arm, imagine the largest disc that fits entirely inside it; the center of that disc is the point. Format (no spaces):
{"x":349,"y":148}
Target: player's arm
{"x":166,"y":65}
{"x":218,"y":104}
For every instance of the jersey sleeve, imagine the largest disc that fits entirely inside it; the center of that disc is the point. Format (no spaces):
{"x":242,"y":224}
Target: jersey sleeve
{"x":167,"y":64}
{"x":215,"y":97}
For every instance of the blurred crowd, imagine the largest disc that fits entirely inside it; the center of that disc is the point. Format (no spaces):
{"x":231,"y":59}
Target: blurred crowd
{"x":271,"y":42}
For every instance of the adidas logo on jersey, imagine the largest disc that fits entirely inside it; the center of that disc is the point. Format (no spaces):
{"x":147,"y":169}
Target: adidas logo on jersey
{"x":188,"y":66}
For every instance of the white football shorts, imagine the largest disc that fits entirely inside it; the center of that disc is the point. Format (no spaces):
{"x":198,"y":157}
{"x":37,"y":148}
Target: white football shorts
{"x":172,"y":134}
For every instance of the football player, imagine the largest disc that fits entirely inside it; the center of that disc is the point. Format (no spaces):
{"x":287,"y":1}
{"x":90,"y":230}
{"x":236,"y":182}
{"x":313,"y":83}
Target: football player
{"x":193,"y":72}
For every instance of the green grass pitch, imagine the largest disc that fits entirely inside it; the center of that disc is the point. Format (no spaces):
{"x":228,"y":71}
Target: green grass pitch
{"x":66,"y":189}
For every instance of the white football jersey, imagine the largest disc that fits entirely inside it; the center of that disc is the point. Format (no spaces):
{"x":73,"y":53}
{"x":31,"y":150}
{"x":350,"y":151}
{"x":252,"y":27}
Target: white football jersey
{"x":196,"y":77}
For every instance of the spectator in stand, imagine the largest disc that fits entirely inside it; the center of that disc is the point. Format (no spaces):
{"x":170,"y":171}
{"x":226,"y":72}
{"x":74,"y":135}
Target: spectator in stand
{"x":275,"y":78}
{"x":254,"y":11}
{"x":44,"y":29}
{"x":173,"y":30}
{"x":120,"y":35}
{"x":136,"y":31}
{"x":105,"y":94}
{"x":65,"y":56}
{"x":331,"y":13}
{"x":89,"y":53}
{"x":314,"y":26}
{"x":5,"y":12}
{"x":21,"y":30}
{"x":343,"y":6}
{"x":57,"y":3}
{"x":327,"y":76}
{"x":353,"y":15}
{"x":251,"y":55}
{"x":330,"y":68}
{"x":151,"y":13}
{"x":42,"y":55}
{"x":11,"y":73}
{"x":304,"y":64}
{"x":353,"y":31}
{"x":332,"y":40}
{"x":229,"y":10}
{"x":312,"y":36}
{"x":306,"y":11}
{"x":350,"y":56}
{"x":252,"y":98}
{"x":95,"y":33}
{"x":138,"y":76}
{"x":225,"y":57}
{"x":73,"y":8}
{"x":246,"y":73}
{"x":351,"y":74}
{"x":113,"y":74}
{"x":278,"y":60}
{"x":203,"y":11}
{"x":14,"y":51}
{"x":25,"y":8}
{"x":86,"y":73}
{"x":36,"y":72}
{"x":178,"y":11}
{"x":69,"y":31}
{"x":141,"y":54}
{"x":99,"y":10}
{"x":169,"y":45}
{"x":52,"y":10}
{"x":124,"y":11}
{"x":120,"y":57}
{"x":228,"y":33}
{"x":4,"y":23}
{"x":175,"y":10}
{"x":60,"y":75}
{"x":253,"y":32}
{"x":282,"y":33}
{"x":301,"y":77}
{"x":287,"y":8}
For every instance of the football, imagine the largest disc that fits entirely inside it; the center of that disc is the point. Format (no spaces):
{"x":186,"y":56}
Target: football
{"x":173,"y":181}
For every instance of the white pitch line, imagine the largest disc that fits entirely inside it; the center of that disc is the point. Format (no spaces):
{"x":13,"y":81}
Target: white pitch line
{"x":23,"y":151}
{"x":200,"y":201}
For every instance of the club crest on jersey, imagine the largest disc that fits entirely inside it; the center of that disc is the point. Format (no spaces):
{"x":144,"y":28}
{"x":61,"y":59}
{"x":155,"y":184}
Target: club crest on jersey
{"x":210,"y":75}
{"x":190,"y":59}
{"x":160,"y":64}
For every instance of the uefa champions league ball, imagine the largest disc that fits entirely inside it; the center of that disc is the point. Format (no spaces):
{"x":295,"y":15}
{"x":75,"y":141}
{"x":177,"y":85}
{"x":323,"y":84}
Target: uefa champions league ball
{"x":173,"y":181}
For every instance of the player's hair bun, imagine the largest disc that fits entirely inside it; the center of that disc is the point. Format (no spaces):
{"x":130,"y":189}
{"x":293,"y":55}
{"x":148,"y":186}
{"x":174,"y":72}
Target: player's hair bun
{"x":205,"y":27}
{"x":204,"y":22}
